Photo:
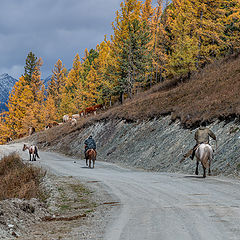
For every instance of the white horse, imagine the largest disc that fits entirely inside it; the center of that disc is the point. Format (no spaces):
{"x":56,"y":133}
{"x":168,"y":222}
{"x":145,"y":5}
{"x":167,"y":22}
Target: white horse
{"x":204,"y":154}
{"x":66,"y":118}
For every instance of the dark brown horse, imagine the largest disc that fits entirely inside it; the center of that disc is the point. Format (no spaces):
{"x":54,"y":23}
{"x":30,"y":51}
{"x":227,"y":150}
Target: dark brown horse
{"x":33,"y":152}
{"x":91,"y":155}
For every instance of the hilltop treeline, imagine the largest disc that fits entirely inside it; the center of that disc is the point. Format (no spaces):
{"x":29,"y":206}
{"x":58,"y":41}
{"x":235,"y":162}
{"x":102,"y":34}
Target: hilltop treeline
{"x":150,"y":44}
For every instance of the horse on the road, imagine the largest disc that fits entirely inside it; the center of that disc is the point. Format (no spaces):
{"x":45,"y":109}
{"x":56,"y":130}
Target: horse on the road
{"x":91,"y":155}
{"x":204,"y":154}
{"x":33,"y":152}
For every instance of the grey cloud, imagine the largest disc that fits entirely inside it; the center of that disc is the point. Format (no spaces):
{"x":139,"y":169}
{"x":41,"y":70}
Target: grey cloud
{"x":52,"y":29}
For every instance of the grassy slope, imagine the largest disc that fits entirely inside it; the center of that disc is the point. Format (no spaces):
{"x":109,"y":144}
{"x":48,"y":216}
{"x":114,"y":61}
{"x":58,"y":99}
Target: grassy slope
{"x":211,"y":94}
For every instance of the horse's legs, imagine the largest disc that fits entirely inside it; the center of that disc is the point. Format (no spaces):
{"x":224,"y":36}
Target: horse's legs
{"x":86,"y":162}
{"x":30,"y":157}
{"x":89,"y":163}
{"x":196,"y":171}
{"x":209,"y":169}
{"x":204,"y":171}
{"x":93,"y":163}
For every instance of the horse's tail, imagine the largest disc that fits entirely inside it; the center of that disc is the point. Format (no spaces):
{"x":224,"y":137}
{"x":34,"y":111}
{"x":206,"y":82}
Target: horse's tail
{"x":206,"y":157}
{"x":95,"y":154}
{"x":36,"y":151}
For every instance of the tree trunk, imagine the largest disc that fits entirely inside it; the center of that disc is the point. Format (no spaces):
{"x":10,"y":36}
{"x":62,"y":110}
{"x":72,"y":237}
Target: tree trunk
{"x":199,"y":42}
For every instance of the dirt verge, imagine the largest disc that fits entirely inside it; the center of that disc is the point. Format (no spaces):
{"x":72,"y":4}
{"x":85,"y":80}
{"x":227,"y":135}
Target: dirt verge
{"x":71,"y":211}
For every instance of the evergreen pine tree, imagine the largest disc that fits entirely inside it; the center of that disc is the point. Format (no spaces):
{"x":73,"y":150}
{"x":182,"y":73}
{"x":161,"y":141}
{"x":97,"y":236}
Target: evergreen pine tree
{"x":130,"y":48}
{"x":31,"y":63}
{"x":57,"y":84}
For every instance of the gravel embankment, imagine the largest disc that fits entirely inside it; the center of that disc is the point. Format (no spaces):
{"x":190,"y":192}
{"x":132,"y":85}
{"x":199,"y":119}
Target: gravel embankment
{"x":156,"y":145}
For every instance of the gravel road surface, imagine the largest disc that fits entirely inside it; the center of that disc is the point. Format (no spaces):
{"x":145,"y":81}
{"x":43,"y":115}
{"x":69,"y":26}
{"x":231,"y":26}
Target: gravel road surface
{"x":154,"y":205}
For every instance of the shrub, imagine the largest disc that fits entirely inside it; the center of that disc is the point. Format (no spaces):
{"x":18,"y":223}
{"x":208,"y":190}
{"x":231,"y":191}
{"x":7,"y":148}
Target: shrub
{"x":19,"y":180}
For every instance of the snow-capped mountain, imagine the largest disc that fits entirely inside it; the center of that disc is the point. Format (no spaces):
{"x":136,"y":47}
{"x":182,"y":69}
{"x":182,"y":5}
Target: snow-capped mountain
{"x":6,"y":84}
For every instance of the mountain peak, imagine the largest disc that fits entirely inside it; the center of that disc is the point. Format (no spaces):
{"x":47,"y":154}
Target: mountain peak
{"x":6,"y":84}
{"x":4,"y":75}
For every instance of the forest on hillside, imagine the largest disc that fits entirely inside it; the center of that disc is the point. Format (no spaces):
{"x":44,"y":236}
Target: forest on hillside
{"x":150,"y":44}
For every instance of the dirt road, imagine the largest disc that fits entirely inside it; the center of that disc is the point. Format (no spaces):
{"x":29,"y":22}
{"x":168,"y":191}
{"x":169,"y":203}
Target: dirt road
{"x":157,"y":206}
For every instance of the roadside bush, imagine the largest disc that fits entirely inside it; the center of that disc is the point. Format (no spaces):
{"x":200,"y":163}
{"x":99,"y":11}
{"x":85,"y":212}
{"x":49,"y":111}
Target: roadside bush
{"x":19,"y":180}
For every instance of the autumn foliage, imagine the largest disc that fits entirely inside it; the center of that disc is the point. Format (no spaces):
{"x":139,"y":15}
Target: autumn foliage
{"x":151,"y":44}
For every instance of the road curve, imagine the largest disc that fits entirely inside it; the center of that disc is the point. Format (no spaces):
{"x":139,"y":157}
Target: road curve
{"x":156,"y":206}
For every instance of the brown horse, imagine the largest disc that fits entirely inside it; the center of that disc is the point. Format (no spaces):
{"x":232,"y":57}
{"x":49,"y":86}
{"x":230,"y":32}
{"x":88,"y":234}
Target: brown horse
{"x":91,"y":155}
{"x":204,"y":155}
{"x":33,"y":152}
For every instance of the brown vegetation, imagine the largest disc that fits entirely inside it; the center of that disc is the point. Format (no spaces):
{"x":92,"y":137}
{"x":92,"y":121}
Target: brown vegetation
{"x":208,"y":95}
{"x":17,"y":179}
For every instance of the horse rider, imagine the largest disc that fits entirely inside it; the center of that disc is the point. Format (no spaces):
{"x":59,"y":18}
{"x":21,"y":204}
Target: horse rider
{"x":201,"y":136}
{"x":89,"y":144}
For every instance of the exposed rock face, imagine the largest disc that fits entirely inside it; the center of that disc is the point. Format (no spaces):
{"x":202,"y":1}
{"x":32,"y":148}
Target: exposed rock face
{"x":156,"y":145}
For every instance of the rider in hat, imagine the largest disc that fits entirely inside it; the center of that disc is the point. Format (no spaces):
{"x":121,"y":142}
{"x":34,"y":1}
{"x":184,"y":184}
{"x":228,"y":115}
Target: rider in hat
{"x":202,"y":136}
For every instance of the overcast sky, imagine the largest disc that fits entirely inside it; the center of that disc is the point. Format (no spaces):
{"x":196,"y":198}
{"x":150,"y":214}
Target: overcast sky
{"x":51,"y":29}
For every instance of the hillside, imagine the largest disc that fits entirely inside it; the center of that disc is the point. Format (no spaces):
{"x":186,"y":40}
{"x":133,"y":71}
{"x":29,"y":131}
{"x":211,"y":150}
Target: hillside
{"x":208,"y":95}
{"x":139,"y":134}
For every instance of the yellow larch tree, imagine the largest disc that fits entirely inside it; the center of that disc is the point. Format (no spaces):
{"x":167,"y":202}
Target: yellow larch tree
{"x":90,"y":93}
{"x":19,"y":104}
{"x":158,"y":44}
{"x":50,"y":110}
{"x":26,"y":102}
{"x":56,"y":86}
{"x":5,"y":131}
{"x":183,"y":43}
{"x":35,"y":116}
{"x":71,"y":96}
{"x":102,"y":64}
{"x":196,"y":32}
{"x":232,"y":26}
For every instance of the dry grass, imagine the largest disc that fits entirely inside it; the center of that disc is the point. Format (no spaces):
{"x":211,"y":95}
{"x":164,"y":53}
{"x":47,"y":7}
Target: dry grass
{"x":208,"y":95}
{"x":19,"y":180}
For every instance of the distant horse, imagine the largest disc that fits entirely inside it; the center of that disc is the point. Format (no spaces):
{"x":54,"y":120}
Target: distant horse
{"x":76,"y":116}
{"x":9,"y":139}
{"x":204,"y":155}
{"x":50,"y":125}
{"x":31,"y":131}
{"x":74,"y":122}
{"x":33,"y":152}
{"x":66,"y":118}
{"x":91,"y":155}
